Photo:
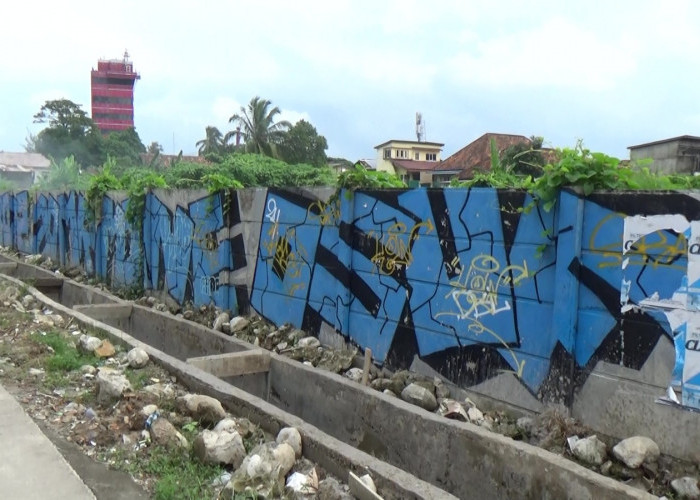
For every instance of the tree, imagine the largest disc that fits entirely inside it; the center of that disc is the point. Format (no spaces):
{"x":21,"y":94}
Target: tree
{"x":69,"y":132}
{"x":524,"y":158}
{"x":124,"y":146}
{"x":302,"y":144}
{"x":154,"y":148}
{"x":258,"y":127}
{"x":212,"y":143}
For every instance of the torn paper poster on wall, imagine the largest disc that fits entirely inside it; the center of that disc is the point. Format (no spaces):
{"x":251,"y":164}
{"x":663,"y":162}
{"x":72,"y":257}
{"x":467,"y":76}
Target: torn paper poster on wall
{"x":674,"y":242}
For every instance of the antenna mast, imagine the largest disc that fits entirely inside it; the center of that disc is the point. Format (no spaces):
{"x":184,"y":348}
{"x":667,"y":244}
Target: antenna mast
{"x":420,"y":127}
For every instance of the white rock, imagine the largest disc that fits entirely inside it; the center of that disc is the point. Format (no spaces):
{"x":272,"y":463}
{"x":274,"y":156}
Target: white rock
{"x":312,"y":342}
{"x":420,"y":396}
{"x":89,"y":343}
{"x":354,"y":374}
{"x":165,"y":433}
{"x":305,"y":484}
{"x":88,"y":369}
{"x":686,"y":487}
{"x":161,"y":390}
{"x":636,"y":450}
{"x":292,"y":437}
{"x":36,"y":372}
{"x":476,"y":416}
{"x":590,"y":450}
{"x":204,"y":409}
{"x":449,"y":408}
{"x":219,"y":448}
{"x":147,"y":410}
{"x":284,"y":454}
{"x":220,"y":320}
{"x":367,"y":481}
{"x":226,"y":425}
{"x":111,"y":384}
{"x":137,"y":358}
{"x":238,"y":323}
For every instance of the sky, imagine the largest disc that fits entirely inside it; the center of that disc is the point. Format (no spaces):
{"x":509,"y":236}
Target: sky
{"x":613,"y":74}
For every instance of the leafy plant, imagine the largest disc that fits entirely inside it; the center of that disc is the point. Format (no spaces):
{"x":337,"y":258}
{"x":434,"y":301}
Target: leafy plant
{"x":65,"y":356}
{"x":137,"y":183}
{"x":500,"y":175}
{"x":98,"y":186}
{"x":359,"y":177}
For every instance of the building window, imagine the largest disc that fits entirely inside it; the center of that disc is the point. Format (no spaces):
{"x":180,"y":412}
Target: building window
{"x":402,"y":153}
{"x":416,"y":176}
{"x":416,"y":155}
{"x":387,"y":153}
{"x":430,"y":156}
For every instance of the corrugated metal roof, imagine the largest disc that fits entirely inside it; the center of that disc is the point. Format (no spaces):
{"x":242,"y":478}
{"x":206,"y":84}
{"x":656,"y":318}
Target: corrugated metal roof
{"x":29,"y":160}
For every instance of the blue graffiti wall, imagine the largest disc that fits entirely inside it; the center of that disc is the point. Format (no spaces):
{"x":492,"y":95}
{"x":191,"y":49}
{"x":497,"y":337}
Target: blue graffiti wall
{"x":476,"y":283}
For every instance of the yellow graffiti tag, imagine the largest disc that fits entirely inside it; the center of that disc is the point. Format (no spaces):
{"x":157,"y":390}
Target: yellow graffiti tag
{"x":654,"y":249}
{"x":328,"y":212}
{"x":284,"y":258}
{"x":393,"y":249}
{"x":475,"y":294}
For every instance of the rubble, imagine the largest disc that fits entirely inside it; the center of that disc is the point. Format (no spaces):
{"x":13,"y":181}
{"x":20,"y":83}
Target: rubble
{"x":636,"y":450}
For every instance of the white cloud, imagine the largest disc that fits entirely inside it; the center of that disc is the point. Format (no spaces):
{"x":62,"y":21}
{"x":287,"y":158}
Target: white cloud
{"x":293,"y":116}
{"x":557,"y":53}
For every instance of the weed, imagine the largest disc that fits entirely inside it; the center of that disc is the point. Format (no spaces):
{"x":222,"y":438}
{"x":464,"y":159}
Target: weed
{"x":179,"y":474}
{"x":65,"y":357}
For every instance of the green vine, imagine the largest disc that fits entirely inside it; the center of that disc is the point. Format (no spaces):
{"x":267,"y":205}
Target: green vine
{"x":137,"y":185}
{"x":98,"y":187}
{"x":217,"y":182}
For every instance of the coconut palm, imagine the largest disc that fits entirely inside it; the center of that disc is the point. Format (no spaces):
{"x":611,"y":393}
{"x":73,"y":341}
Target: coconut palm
{"x":258,"y":127}
{"x":212,"y":143}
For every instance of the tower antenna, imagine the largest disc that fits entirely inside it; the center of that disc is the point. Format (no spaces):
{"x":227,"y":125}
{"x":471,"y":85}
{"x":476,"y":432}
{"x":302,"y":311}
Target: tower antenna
{"x":420,"y":127}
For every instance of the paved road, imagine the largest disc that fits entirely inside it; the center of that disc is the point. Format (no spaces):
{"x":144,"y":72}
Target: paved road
{"x":30,"y":465}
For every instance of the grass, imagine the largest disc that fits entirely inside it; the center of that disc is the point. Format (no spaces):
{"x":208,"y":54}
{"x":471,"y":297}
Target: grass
{"x":65,"y":357}
{"x":178,"y":474}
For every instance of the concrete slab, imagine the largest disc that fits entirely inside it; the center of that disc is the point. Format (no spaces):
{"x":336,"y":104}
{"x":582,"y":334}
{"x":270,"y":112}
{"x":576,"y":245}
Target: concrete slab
{"x":105,"y":311}
{"x":7,"y":267}
{"x":30,"y":465}
{"x":233,"y":364}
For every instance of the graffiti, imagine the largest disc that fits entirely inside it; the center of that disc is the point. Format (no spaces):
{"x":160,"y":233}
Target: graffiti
{"x":447,"y":277}
{"x":476,"y":291}
{"x":326,"y":213}
{"x":393,"y":247}
{"x":656,"y":249}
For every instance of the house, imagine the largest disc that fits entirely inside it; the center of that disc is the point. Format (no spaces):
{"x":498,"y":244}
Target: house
{"x":23,"y":169}
{"x":476,"y":155}
{"x":670,"y":156}
{"x":413,"y":161}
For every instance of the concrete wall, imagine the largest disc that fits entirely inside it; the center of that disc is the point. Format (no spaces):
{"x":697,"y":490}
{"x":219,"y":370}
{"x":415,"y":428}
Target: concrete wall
{"x":669,"y":157}
{"x":524,"y":307}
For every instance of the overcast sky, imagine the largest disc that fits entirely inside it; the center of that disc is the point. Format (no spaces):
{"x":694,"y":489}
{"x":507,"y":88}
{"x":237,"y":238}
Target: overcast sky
{"x":614,"y":74}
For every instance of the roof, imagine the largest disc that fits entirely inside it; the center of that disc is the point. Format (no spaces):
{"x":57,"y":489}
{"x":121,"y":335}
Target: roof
{"x":477,"y":154}
{"x":27,"y":160}
{"x":416,"y":143}
{"x":415,"y":166}
{"x":662,"y":141}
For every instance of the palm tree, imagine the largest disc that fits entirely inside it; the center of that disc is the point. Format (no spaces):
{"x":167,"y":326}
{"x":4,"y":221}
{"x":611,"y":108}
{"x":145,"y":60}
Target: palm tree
{"x":258,"y":127}
{"x":212,"y":143}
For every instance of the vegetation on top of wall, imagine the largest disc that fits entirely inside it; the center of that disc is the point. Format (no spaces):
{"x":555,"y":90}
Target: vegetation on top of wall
{"x":359,"y":177}
{"x":64,"y":174}
{"x":580,"y":168}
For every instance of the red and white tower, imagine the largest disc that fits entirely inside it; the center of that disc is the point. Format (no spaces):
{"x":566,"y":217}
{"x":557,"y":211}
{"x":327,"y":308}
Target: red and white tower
{"x":112,"y":86}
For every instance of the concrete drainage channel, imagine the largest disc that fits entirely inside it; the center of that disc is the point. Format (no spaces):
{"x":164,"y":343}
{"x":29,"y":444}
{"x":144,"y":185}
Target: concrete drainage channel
{"x":409,"y":452}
